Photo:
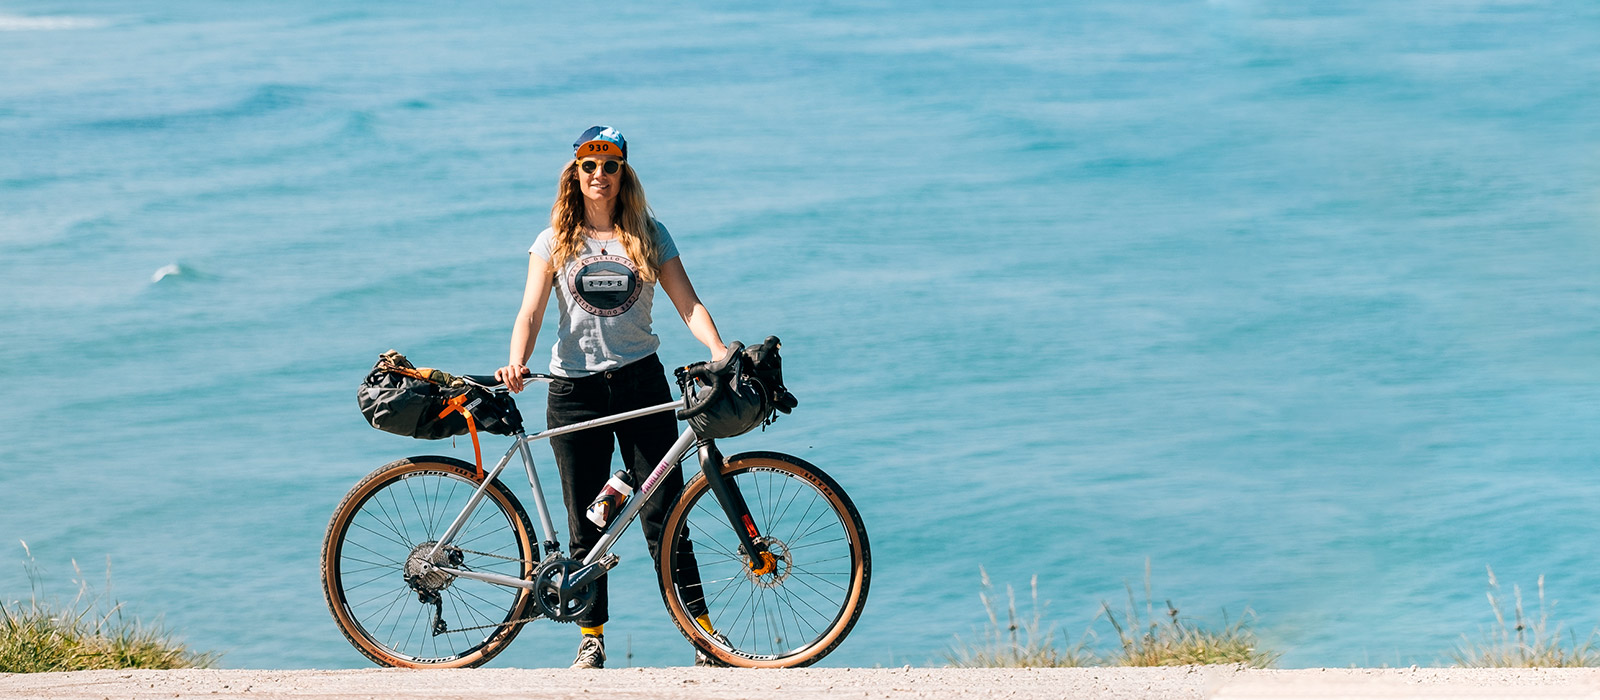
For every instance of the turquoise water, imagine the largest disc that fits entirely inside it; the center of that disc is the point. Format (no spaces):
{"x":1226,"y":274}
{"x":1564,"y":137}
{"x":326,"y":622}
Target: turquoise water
{"x":1297,"y":303}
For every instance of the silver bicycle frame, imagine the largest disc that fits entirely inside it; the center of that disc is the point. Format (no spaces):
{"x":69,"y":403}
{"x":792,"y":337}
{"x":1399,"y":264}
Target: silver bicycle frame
{"x":613,"y":530}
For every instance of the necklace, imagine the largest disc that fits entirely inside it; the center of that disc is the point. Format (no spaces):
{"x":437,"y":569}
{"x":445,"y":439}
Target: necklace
{"x":603,"y":241}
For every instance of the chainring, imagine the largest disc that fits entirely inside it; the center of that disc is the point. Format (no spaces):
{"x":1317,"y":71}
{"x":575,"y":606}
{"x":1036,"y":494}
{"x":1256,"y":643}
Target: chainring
{"x":547,"y":591}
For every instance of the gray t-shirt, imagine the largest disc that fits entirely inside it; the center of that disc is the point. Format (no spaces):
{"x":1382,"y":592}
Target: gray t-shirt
{"x":605,"y":309}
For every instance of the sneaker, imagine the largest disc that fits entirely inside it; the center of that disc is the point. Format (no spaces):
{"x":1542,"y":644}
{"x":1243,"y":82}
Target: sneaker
{"x":703,"y":659}
{"x":591,"y":652}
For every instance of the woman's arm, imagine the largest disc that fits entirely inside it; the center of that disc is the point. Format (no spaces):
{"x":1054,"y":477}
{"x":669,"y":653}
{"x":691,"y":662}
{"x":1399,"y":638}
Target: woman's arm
{"x":694,"y":314}
{"x":526,"y":329}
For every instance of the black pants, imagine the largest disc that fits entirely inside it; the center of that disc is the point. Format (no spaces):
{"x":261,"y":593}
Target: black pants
{"x":584,"y":457}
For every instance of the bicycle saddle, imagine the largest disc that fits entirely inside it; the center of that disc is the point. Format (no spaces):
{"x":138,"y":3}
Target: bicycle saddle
{"x":482,"y":381}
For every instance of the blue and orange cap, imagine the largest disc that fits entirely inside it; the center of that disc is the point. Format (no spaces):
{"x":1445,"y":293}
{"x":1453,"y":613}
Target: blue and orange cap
{"x":600,"y":141}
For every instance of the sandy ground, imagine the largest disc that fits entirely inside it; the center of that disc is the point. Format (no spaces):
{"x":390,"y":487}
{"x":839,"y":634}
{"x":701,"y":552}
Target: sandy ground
{"x":684,"y":683}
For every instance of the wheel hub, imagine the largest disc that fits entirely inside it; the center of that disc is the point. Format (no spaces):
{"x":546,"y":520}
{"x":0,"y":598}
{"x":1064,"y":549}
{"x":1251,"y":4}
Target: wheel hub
{"x":780,"y":567}
{"x":422,"y":571}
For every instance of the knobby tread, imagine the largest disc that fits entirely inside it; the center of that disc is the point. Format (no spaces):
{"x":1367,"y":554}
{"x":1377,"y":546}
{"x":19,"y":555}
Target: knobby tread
{"x":852,"y":519}
{"x":340,"y":522}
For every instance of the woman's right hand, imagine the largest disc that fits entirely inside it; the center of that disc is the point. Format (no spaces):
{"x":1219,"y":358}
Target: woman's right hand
{"x":512,"y":376}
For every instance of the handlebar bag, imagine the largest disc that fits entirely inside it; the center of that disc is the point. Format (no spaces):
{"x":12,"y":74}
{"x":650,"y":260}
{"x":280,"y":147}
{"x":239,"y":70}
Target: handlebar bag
{"x":752,"y":391}
{"x":739,"y":408}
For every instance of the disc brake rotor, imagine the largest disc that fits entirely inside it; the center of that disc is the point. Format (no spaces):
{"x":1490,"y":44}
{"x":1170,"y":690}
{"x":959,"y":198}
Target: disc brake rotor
{"x":781,"y":568}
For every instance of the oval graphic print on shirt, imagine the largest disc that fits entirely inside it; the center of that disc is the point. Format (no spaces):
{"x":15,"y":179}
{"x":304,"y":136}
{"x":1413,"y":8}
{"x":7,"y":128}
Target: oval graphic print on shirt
{"x":604,"y":285}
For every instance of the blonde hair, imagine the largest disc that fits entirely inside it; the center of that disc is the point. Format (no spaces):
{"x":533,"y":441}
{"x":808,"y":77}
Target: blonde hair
{"x":630,"y":216}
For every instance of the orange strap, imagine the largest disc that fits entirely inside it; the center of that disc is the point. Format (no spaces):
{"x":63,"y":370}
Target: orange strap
{"x":456,"y":404}
{"x":409,"y":372}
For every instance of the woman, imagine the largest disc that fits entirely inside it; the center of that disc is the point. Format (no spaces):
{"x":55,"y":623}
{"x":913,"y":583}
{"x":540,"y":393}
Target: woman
{"x":603,"y":255}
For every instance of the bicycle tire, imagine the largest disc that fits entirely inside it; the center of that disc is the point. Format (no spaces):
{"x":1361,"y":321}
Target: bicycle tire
{"x":798,"y":508}
{"x":387,"y":516}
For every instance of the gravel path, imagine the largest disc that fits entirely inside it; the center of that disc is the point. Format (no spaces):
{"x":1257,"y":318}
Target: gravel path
{"x":683,"y":683}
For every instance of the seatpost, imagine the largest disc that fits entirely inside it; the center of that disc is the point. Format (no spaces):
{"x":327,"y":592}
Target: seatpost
{"x":733,"y":504}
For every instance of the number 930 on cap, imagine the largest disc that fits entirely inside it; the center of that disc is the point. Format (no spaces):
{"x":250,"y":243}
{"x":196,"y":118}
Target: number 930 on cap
{"x":600,"y":141}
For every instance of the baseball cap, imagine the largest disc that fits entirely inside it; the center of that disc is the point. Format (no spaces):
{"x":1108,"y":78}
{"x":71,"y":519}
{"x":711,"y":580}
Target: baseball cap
{"x":600,"y":141}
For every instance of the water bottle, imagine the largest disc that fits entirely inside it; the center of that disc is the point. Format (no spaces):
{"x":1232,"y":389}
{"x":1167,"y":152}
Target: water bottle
{"x":618,"y":488}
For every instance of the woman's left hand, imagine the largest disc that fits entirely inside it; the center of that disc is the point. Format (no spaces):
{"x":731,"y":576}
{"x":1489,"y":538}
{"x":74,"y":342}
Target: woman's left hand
{"x":719,"y":352}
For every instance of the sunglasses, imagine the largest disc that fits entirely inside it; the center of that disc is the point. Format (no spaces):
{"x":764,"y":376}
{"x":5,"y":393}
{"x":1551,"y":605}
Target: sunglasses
{"x":610,"y":167}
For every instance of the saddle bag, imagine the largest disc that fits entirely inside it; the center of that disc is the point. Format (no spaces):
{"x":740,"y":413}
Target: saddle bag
{"x":428,"y":404}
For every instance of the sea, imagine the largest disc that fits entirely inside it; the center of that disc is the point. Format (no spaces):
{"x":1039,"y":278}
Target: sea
{"x":1284,"y":314}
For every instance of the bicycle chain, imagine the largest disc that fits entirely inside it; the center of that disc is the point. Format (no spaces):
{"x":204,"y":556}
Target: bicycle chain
{"x":497,"y":624}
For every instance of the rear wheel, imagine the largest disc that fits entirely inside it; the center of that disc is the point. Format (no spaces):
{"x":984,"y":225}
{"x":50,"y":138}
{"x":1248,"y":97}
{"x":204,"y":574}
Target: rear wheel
{"x":378,"y":575}
{"x":801,"y":609}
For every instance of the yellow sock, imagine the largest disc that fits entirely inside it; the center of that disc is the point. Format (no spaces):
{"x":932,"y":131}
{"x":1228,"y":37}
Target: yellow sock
{"x":593,"y":631}
{"x":705,"y":623}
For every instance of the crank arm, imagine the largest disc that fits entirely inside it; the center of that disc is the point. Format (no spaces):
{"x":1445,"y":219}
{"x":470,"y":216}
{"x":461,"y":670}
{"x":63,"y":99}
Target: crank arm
{"x":587,"y":575}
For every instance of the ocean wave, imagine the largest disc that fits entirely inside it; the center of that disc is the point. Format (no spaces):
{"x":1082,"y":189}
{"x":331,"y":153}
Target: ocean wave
{"x":264,"y":99}
{"x":18,"y":23}
{"x":166,"y":271}
{"x":177,"y":272}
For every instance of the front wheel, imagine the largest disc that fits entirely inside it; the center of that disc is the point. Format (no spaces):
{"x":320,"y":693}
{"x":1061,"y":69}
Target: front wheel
{"x":378,"y":566}
{"x":801,"y":609}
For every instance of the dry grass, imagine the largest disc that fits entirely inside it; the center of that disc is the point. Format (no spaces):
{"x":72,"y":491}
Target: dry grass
{"x":1020,"y":642}
{"x":86,"y":633}
{"x":1524,"y":642}
{"x":1143,"y":639}
{"x":1170,"y":641}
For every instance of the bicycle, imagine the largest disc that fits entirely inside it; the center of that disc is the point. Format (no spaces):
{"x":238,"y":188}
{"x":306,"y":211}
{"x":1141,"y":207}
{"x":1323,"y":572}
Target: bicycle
{"x":429,"y":562}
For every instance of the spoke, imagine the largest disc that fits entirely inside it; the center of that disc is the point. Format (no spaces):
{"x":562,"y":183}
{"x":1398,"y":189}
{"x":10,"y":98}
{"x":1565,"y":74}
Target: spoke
{"x":775,"y":634}
{"x":720,"y":591}
{"x":386,"y":611}
{"x":429,"y":499}
{"x":412,"y":492}
{"x":415,"y":620}
{"x":750,"y":620}
{"x":717,"y":547}
{"x":813,"y":544}
{"x":761,"y":500}
{"x":799,"y":490}
{"x":346,"y":557}
{"x":717,"y":515}
{"x":399,"y":515}
{"x":380,"y":535}
{"x":486,"y":601}
{"x":802,"y":519}
{"x":349,"y":589}
{"x":801,"y":577}
{"x":463,"y":543}
{"x":817,"y":524}
{"x":808,"y":604}
{"x":483,"y":517}
{"x":395,"y":562}
{"x":842,"y":557}
{"x":401,"y":589}
{"x":343,"y":572}
{"x":478,"y":617}
{"x":785,"y":596}
{"x":387,"y":519}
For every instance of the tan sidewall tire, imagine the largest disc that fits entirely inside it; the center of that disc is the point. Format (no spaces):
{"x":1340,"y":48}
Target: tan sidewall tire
{"x":860,"y":578}
{"x":340,"y":522}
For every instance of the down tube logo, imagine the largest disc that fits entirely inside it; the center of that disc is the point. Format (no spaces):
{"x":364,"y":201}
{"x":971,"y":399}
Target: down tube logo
{"x":604,"y":285}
